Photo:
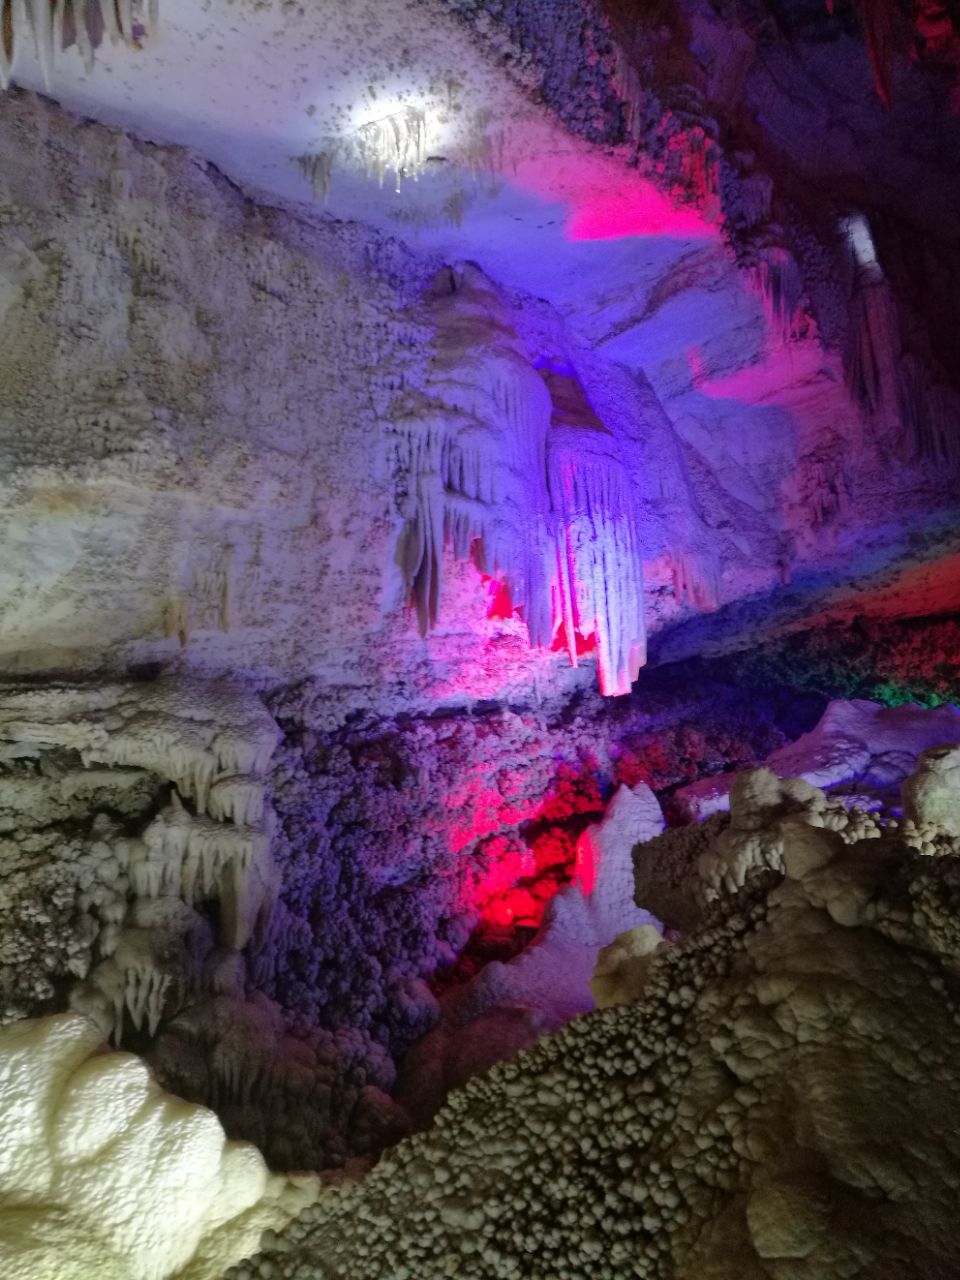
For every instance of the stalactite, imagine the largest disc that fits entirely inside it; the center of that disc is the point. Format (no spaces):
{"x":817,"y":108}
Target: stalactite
{"x":598,"y":587}
{"x":629,"y":89}
{"x":317,"y":168}
{"x":40,"y":13}
{"x":930,"y":414}
{"x":899,"y":390}
{"x":877,"y":17}
{"x":936,"y":38}
{"x":52,"y":24}
{"x":873,"y":347}
{"x":473,"y":450}
{"x":696,"y":580}
{"x":397,"y":141}
{"x":6,"y":42}
{"x":599,"y":580}
{"x":896,"y":388}
{"x":71,"y":27}
{"x":476,"y":463}
{"x":779,"y":281}
{"x":515,"y":470}
{"x":872,"y":355}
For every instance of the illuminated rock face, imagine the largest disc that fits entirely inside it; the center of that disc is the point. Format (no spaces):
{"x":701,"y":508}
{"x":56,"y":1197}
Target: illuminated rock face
{"x":261,"y":517}
{"x":267,"y":904}
{"x":258,"y":514}
{"x":856,"y":746}
{"x":720,"y":1117}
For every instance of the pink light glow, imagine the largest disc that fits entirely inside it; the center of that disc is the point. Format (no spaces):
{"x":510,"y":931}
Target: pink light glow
{"x":763,"y":381}
{"x":606,"y":200}
{"x":698,"y":366}
{"x":482,"y":811}
{"x":582,"y":644}
{"x":641,"y":211}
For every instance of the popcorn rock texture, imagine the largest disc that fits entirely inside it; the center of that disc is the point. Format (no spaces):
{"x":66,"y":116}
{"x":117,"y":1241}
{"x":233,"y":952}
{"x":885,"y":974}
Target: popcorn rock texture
{"x":402,"y":839}
{"x":139,"y":886}
{"x":781,"y":1102}
{"x":272,"y":909}
{"x":103,"y":1174}
{"x":622,"y":966}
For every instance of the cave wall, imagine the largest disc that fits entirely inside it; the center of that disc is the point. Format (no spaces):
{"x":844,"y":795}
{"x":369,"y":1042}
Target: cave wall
{"x":238,"y":441}
{"x":198,"y":401}
{"x":223,"y":420}
{"x":189,"y":387}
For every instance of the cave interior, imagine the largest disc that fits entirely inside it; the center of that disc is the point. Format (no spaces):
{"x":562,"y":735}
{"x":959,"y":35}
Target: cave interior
{"x":479,"y":639}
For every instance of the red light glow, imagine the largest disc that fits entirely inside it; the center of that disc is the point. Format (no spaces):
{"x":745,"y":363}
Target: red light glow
{"x":522,"y":869}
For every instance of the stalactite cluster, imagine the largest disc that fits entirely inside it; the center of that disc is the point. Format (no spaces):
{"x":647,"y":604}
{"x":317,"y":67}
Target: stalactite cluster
{"x":514,"y":469}
{"x":54,"y":25}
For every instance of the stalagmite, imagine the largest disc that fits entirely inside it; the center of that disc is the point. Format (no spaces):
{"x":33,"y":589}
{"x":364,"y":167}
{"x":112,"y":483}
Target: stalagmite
{"x":103,"y":1174}
{"x":752,"y":1098}
{"x":696,"y":580}
{"x":405,"y":909}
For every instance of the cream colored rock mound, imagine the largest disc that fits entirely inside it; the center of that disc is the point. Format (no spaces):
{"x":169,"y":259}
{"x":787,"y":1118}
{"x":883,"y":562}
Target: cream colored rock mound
{"x":104,"y":1175}
{"x":931,"y":796}
{"x":782,"y":1102}
{"x":623,"y":966}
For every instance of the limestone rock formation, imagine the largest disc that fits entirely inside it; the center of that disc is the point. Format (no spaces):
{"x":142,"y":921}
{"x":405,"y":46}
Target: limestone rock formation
{"x":507,"y":1006}
{"x":780,"y":1101}
{"x":104,"y":862}
{"x":101,"y":1173}
{"x":931,"y":796}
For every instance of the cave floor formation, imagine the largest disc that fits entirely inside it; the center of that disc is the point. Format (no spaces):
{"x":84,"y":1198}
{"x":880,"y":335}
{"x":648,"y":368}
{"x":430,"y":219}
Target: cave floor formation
{"x":479,"y":640}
